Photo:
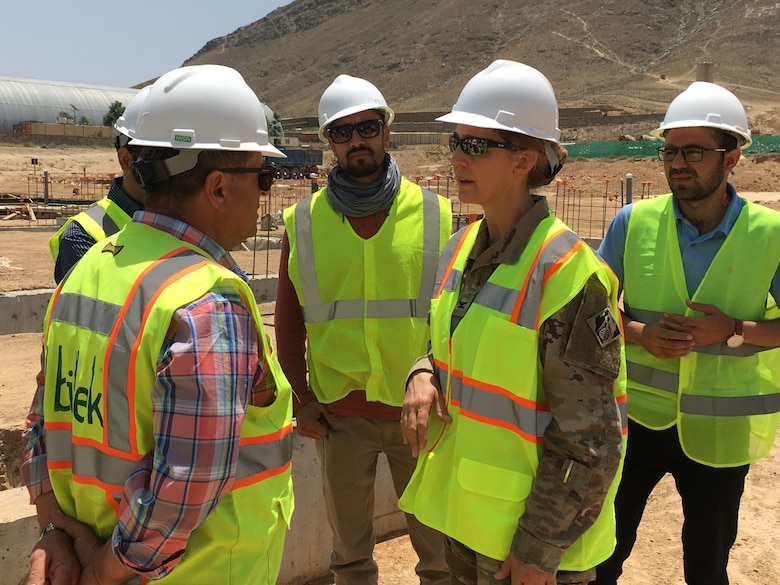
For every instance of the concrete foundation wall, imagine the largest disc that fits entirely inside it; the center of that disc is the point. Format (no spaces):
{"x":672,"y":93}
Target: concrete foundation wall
{"x":307,"y":548}
{"x":23,"y":311}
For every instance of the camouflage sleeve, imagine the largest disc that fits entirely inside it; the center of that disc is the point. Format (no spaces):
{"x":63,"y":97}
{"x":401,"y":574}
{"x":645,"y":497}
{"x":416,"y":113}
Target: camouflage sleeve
{"x":580,"y":350}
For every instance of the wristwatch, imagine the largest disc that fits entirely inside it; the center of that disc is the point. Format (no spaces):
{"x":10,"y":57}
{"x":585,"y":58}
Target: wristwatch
{"x":46,"y":529}
{"x":736,"y":338}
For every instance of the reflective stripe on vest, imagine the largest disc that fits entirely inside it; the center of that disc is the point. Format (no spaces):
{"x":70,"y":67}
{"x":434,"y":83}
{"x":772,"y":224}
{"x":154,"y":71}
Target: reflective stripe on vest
{"x":102,"y":219}
{"x":122,"y":324}
{"x":725,"y":402}
{"x":522,"y":307}
{"x":473,"y":478}
{"x":315,"y":311}
{"x":89,"y":461}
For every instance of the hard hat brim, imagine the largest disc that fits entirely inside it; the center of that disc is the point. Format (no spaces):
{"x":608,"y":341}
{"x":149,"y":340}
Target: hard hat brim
{"x":744,"y":139}
{"x":480,"y":121}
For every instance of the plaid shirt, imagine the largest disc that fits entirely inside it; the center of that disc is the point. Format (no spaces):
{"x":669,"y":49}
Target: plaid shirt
{"x":207,"y":372}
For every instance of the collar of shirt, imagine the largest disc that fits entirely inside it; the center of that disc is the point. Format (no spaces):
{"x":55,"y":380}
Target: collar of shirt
{"x":186,"y":233}
{"x":126,"y":203}
{"x":509,"y":250}
{"x":687,"y":233}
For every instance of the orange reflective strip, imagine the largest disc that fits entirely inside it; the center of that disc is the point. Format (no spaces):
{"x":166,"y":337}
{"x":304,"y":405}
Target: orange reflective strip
{"x":524,"y":402}
{"x":59,"y":464}
{"x":144,"y":320}
{"x":112,"y":340}
{"x":263,"y":475}
{"x":269,"y":438}
{"x":524,"y":288}
{"x":106,"y":488}
{"x":497,"y":423}
{"x":454,"y":257}
{"x":58,"y":426}
{"x":105,"y":449}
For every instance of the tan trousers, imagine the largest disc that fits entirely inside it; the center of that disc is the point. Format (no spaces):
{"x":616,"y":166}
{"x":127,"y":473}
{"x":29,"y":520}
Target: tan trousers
{"x":348,"y":455}
{"x":471,"y":568}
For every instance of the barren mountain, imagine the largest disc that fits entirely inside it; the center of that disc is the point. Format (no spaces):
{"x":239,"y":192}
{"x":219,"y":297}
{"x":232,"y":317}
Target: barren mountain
{"x":630,"y":55}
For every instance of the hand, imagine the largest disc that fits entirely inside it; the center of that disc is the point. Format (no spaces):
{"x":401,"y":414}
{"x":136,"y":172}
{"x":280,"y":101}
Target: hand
{"x":659,"y":339}
{"x":422,"y":392}
{"x":310,"y":420}
{"x":714,"y":327}
{"x":523,"y":574}
{"x":53,"y":561}
{"x":98,"y":564}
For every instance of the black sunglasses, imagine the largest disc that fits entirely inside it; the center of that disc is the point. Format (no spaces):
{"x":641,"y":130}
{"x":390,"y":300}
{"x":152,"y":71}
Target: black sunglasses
{"x":366,"y":129}
{"x":265,"y":175}
{"x":473,"y":146}
{"x":689,"y":153}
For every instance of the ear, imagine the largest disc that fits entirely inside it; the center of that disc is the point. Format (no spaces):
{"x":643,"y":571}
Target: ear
{"x":731,"y":158}
{"x":386,"y":135}
{"x":125,"y":160}
{"x":214,"y":191}
{"x":525,"y":161}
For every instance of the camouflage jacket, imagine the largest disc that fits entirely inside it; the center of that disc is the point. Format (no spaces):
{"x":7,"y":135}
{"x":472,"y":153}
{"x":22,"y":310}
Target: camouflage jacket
{"x":585,"y":434}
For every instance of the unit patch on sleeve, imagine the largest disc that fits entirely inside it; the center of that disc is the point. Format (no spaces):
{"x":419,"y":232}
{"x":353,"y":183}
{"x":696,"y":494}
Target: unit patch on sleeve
{"x":604,"y":327}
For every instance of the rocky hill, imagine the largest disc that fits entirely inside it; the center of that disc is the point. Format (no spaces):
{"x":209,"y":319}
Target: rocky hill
{"x":631,"y":55}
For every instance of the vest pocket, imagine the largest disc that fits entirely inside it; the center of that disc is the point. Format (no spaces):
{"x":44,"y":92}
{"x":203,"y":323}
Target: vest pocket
{"x":494,"y":482}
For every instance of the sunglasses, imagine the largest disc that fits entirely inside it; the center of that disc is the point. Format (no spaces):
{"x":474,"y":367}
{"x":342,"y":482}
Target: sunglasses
{"x":689,"y":153}
{"x":473,"y":146}
{"x":366,"y":129}
{"x":265,"y":175}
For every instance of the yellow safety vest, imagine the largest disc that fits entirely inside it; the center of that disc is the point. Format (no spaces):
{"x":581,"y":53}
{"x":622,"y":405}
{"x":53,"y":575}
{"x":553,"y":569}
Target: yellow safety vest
{"x":725,"y":402}
{"x":104,"y":329}
{"x":102,"y":219}
{"x":472,"y":480}
{"x":365,"y":301}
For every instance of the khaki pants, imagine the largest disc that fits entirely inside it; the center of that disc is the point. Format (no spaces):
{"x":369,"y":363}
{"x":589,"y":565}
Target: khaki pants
{"x":471,"y":568}
{"x":348,"y":455}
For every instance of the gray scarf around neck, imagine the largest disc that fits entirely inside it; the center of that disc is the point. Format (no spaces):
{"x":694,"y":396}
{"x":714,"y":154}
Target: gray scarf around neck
{"x":356,"y":200}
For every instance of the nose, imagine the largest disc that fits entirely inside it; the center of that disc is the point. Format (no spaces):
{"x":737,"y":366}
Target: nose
{"x":679,"y":159}
{"x":458,"y":157}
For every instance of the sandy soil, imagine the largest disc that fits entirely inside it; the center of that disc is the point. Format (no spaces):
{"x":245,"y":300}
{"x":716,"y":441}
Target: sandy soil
{"x":25,"y":264}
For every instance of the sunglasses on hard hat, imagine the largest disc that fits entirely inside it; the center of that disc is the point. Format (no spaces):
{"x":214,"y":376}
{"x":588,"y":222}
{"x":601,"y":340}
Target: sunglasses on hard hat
{"x":366,"y":129}
{"x":265,"y":175}
{"x":473,"y":146}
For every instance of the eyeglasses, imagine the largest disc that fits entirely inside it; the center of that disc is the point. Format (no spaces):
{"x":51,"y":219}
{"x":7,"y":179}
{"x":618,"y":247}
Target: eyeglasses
{"x":265,"y":175}
{"x":366,"y":129}
{"x":473,"y":146}
{"x":689,"y":153}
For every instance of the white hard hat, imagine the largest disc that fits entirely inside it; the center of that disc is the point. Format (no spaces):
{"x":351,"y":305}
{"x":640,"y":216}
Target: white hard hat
{"x":709,"y":105}
{"x":203,"y":107}
{"x":125,"y":124}
{"x":349,"y":95}
{"x":508,"y":96}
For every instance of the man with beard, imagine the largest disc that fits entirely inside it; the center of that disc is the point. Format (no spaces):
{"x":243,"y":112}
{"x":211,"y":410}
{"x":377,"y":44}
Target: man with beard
{"x":701,"y":333}
{"x":356,"y":276}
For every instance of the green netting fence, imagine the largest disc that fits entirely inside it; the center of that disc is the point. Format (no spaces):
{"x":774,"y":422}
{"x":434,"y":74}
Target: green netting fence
{"x":648,"y":148}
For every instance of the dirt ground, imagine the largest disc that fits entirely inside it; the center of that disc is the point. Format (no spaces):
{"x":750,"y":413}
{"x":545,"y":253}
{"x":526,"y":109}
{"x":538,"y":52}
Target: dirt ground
{"x":25,"y":264}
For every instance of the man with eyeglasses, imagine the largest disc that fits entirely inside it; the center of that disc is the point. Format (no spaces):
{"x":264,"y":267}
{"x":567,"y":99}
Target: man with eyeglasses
{"x":701,"y":333}
{"x":160,"y":436}
{"x":357,"y":269}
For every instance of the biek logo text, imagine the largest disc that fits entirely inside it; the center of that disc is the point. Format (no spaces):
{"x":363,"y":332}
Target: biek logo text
{"x":80,"y":401}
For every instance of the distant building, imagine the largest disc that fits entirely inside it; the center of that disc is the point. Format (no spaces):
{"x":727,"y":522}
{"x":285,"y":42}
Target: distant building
{"x":35,"y":100}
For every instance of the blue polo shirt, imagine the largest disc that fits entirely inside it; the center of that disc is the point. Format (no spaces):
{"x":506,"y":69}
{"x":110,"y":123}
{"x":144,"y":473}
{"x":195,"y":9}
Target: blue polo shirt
{"x":697,"y":251}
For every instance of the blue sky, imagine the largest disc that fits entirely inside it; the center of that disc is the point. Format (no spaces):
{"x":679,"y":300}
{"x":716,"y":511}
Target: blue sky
{"x":93,"y":42}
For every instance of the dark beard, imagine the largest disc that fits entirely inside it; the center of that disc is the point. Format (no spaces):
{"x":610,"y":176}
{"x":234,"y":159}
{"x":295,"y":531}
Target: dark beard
{"x":703,"y":188}
{"x":362,"y":168}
